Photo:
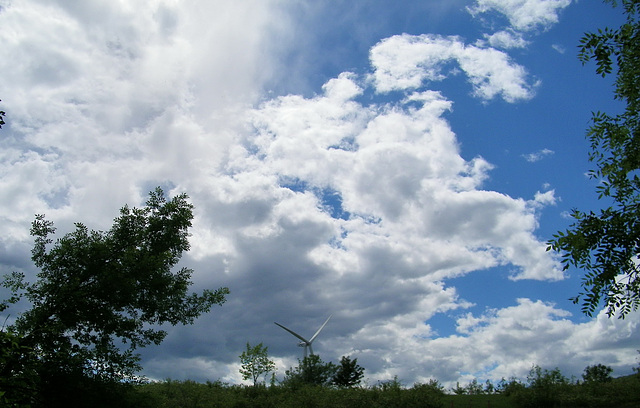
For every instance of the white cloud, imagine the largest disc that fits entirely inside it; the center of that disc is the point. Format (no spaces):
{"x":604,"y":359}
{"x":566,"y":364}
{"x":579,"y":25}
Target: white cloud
{"x":559,"y":48}
{"x":304,"y":205}
{"x":523,"y":15}
{"x":505,"y":40}
{"x":508,"y":341}
{"x":544,"y":199}
{"x":537,"y":156}
{"x":405,"y":62}
{"x":498,"y":343}
{"x":108,"y":99}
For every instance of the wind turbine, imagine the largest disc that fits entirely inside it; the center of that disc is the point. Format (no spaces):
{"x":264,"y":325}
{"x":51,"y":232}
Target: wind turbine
{"x":306,"y":343}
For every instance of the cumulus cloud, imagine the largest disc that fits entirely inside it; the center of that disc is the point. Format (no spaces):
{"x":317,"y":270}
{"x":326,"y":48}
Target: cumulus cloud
{"x":523,"y":15}
{"x":505,"y":40}
{"x":305,"y":205}
{"x":524,"y":18}
{"x":101,"y":92}
{"x":498,"y":343}
{"x":505,"y":342}
{"x":405,"y":62}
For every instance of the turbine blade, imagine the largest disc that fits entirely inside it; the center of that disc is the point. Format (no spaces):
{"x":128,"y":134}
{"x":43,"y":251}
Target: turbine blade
{"x":294,"y":333}
{"x":318,"y":332}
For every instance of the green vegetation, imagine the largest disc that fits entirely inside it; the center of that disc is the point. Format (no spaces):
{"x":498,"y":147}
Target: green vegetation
{"x":542,"y":388}
{"x":349,"y":373}
{"x":190,"y":394}
{"x":311,"y":371}
{"x":606,"y":244}
{"x":2,"y":113}
{"x":98,"y":297}
{"x":255,"y":362}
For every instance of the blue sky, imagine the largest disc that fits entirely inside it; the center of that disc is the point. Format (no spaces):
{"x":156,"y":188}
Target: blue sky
{"x":400,"y":165}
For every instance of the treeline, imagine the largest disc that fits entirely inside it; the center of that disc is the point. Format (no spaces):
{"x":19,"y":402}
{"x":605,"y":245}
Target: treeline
{"x":550,"y":388}
{"x":215,"y":394}
{"x":542,"y":388}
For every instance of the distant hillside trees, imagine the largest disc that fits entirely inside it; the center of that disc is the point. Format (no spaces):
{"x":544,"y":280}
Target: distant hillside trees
{"x":606,"y":244}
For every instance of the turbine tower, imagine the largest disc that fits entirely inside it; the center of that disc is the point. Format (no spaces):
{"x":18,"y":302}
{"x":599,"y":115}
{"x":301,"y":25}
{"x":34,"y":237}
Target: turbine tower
{"x":306,"y":343}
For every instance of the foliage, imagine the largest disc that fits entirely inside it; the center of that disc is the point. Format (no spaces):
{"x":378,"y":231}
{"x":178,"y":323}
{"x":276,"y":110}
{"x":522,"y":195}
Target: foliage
{"x":510,"y":387}
{"x":543,"y":378}
{"x":255,"y":362}
{"x":544,"y":387}
{"x":101,"y":295}
{"x":489,"y":388}
{"x":2,"y":113}
{"x":549,"y":388}
{"x":190,"y":394}
{"x":348,"y":373}
{"x":606,"y":244}
{"x":310,"y":371}
{"x":474,"y":388}
{"x":18,"y":376}
{"x":598,"y":373}
{"x":458,"y":389}
{"x":393,"y":386}
{"x":551,"y":384}
{"x":392,"y":394}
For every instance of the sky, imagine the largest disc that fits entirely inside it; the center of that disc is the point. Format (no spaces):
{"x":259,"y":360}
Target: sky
{"x":397,"y":165}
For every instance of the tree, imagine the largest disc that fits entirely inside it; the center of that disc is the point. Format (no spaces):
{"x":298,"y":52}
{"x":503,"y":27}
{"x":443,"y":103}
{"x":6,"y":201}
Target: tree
{"x":509,"y":387}
{"x":598,"y":373}
{"x":310,"y":371}
{"x":2,"y":113}
{"x":458,"y":389}
{"x":606,"y":244}
{"x":543,"y":378}
{"x":489,"y":388}
{"x":349,"y":373}
{"x":18,"y":377}
{"x":101,"y":295}
{"x":255,"y":362}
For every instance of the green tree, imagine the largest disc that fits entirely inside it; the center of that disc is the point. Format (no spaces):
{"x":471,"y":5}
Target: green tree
{"x":509,"y":387}
{"x":543,"y":378}
{"x":489,"y":388}
{"x":255,"y":362}
{"x":349,"y":373}
{"x":545,"y":388}
{"x":18,"y":376}
{"x":458,"y":389}
{"x":474,"y":387}
{"x":2,"y":113}
{"x":606,"y":244}
{"x":310,"y":371}
{"x":101,"y":295}
{"x":598,"y":373}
